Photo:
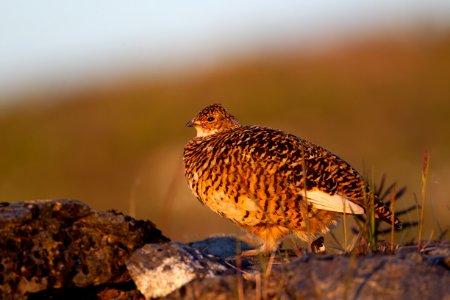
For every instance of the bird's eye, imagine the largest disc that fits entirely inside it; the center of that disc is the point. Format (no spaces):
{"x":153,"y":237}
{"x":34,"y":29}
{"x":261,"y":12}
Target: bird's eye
{"x":210,"y":119}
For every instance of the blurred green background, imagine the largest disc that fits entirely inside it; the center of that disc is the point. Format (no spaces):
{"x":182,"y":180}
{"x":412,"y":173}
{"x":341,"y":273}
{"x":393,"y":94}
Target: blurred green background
{"x":379,"y":99}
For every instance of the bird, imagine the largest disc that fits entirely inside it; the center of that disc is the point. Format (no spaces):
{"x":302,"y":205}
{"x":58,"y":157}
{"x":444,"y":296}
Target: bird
{"x":271,"y":183}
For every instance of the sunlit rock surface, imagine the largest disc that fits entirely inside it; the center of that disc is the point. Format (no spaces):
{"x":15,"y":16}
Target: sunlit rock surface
{"x":407,"y":275}
{"x":160,"y":269}
{"x":62,"y":244}
{"x":62,"y":249}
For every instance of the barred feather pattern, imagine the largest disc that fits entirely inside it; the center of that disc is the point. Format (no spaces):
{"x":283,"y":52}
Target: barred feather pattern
{"x":259,"y":178}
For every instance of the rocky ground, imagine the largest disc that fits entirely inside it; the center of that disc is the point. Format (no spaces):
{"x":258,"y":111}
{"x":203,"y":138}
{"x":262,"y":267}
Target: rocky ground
{"x":62,"y":249}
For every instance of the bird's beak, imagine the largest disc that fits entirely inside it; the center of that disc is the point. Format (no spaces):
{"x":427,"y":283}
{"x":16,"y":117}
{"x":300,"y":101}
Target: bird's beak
{"x":191,"y":123}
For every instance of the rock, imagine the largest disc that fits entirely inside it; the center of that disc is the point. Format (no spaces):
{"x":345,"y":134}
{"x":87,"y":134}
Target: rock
{"x":331,"y":277}
{"x":60,"y":249}
{"x":159,"y":269}
{"x":55,"y":244}
{"x":221,"y":246}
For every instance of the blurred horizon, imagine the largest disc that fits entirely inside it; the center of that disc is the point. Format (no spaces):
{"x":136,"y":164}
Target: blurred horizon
{"x":371,"y":86}
{"x":49,"y":45}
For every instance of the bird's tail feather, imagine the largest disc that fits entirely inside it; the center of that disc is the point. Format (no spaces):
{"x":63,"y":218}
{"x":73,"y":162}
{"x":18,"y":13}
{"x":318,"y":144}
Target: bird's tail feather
{"x":385,"y":214}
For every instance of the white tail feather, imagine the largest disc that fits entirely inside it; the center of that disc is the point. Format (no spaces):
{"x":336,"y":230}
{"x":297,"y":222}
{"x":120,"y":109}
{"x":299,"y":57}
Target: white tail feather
{"x":334,"y":202}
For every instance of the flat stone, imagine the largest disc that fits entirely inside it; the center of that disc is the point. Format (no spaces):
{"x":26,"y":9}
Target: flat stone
{"x":160,"y":269}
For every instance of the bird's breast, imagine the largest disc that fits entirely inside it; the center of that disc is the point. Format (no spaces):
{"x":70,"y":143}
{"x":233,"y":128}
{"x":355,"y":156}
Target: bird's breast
{"x":237,"y":210}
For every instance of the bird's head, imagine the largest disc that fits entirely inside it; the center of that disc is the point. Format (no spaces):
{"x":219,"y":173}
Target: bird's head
{"x":212,"y":119}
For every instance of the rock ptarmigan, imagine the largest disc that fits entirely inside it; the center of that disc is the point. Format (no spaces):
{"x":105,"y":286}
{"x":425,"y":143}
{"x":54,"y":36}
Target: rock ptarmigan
{"x":270,"y":182}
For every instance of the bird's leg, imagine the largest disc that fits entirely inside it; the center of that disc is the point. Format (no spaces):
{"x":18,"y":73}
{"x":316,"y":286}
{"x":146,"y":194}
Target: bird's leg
{"x":252,"y":252}
{"x":317,"y":246}
{"x":269,"y":246}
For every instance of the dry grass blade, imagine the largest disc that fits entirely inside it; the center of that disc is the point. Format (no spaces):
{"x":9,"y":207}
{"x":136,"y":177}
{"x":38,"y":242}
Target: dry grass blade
{"x":349,"y":276}
{"x":240,"y":283}
{"x":267,"y":275}
{"x":258,"y":286}
{"x":425,"y":170}
{"x":392,"y":207}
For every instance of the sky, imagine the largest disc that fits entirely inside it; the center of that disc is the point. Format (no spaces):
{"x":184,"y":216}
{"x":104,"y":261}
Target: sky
{"x":58,"y":42}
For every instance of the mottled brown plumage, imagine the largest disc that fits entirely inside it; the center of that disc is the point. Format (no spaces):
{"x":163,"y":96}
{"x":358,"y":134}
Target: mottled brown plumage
{"x":269,"y":182}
